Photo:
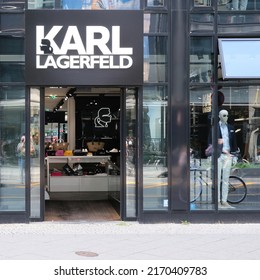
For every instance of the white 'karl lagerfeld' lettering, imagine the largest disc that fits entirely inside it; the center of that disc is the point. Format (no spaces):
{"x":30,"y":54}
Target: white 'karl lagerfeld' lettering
{"x":49,"y":54}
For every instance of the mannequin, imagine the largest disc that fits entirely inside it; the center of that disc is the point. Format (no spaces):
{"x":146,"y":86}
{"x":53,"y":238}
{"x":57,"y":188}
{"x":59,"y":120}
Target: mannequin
{"x":239,"y":5}
{"x":227,"y":138}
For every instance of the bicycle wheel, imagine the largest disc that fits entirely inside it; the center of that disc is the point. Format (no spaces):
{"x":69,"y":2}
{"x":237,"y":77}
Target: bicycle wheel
{"x":237,"y":190}
{"x":195,"y":188}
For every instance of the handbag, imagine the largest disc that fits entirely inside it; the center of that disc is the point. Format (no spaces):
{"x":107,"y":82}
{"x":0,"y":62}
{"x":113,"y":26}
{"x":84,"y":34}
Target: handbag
{"x":60,"y":146}
{"x":209,"y":150}
{"x":94,"y":146}
{"x":68,"y":153}
{"x":68,"y":170}
{"x":59,"y":153}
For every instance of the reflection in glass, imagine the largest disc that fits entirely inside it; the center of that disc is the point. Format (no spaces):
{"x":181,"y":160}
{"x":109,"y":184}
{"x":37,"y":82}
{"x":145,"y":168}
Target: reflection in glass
{"x":155,"y":3}
{"x":41,"y":4}
{"x":155,"y":59}
{"x":242,"y":111}
{"x":242,"y":105}
{"x":101,"y":4}
{"x":201,"y":189}
{"x":201,"y":59}
{"x":233,"y":5}
{"x":201,"y":22}
{"x":242,"y":23}
{"x":155,"y":23}
{"x":11,"y":59}
{"x":202,"y":3}
{"x":12,"y":119}
{"x":35,"y":155}
{"x":155,"y":169}
{"x":130,"y":126}
{"x":12,"y":24}
{"x":12,"y":5}
{"x":12,"y":72}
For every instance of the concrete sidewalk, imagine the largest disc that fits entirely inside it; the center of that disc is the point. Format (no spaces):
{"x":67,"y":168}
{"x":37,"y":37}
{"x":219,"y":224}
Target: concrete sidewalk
{"x":129,"y":241}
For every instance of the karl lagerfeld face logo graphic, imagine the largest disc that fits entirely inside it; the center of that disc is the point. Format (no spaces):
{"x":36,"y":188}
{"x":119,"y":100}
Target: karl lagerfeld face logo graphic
{"x":103,"y":117}
{"x":75,"y":53}
{"x":46,"y":46}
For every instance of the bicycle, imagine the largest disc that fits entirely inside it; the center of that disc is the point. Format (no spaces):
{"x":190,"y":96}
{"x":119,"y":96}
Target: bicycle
{"x":237,"y":190}
{"x":197,"y":183}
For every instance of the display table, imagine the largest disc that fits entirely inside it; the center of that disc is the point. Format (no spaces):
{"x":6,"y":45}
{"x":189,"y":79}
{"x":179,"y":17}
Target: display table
{"x":84,"y":183}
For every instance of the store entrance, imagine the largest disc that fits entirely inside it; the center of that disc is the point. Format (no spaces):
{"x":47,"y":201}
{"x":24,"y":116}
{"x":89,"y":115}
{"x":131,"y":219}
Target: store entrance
{"x":82,"y":139}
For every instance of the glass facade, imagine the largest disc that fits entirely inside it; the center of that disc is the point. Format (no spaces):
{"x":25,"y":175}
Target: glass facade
{"x":218,"y":176}
{"x":228,"y":5}
{"x":12,"y":160}
{"x":155,"y":110}
{"x":11,"y":47}
{"x":131,"y":152}
{"x":85,"y":4}
{"x":155,"y":172}
{"x":35,"y":170}
{"x":223,"y":110}
{"x":12,"y":108}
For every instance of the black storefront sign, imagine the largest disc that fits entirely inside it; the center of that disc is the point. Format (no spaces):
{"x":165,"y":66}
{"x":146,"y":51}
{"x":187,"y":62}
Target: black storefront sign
{"x":84,"y":48}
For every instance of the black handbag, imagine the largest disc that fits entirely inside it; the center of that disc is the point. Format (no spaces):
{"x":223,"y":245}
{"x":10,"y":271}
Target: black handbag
{"x":68,"y":170}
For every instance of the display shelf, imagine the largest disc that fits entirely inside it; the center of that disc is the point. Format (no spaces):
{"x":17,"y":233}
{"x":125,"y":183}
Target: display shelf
{"x":84,"y":183}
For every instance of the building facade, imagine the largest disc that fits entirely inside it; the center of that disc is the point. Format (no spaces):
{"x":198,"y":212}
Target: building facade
{"x":149,"y":80}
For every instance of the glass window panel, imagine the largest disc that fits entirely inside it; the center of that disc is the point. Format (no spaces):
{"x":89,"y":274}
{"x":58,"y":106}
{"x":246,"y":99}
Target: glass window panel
{"x":201,"y":22}
{"x":155,"y":23}
{"x":155,"y":59}
{"x":238,"y":23}
{"x":11,"y":46}
{"x":12,"y":163}
{"x":12,"y":23}
{"x":155,"y":169}
{"x":41,"y":4}
{"x":155,"y":3}
{"x":240,"y":58}
{"x":202,"y":192}
{"x":11,"y":72}
{"x":234,"y":5}
{"x":12,"y":5}
{"x":201,"y":59}
{"x":253,"y":5}
{"x":101,"y":4}
{"x":12,"y":59}
{"x":130,"y":127}
{"x":242,"y":105}
{"x":202,"y":3}
{"x":35,"y":152}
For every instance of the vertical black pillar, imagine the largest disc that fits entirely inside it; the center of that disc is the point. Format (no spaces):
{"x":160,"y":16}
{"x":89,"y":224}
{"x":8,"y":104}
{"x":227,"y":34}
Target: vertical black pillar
{"x":179,"y":106}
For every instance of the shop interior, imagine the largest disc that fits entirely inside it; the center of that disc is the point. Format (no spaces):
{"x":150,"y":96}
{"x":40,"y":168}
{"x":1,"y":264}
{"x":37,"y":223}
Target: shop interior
{"x":82,"y":153}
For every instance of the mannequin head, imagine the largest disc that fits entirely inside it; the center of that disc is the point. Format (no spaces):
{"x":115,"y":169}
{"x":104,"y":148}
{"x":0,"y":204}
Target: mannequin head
{"x":223,"y":116}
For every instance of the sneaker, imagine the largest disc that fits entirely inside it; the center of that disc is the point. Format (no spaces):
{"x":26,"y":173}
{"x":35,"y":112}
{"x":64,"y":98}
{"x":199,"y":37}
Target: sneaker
{"x":226,"y":205}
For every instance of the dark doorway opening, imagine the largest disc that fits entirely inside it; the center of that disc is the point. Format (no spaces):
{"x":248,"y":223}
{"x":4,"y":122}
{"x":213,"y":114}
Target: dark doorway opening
{"x":82,"y":149}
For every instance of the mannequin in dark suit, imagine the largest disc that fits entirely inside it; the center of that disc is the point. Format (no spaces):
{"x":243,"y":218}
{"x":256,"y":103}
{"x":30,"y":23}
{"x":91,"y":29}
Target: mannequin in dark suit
{"x":227,"y":138}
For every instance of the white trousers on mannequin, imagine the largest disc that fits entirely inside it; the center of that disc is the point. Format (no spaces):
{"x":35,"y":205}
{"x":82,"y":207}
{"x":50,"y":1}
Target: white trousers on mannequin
{"x":224,"y":169}
{"x":239,"y":4}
